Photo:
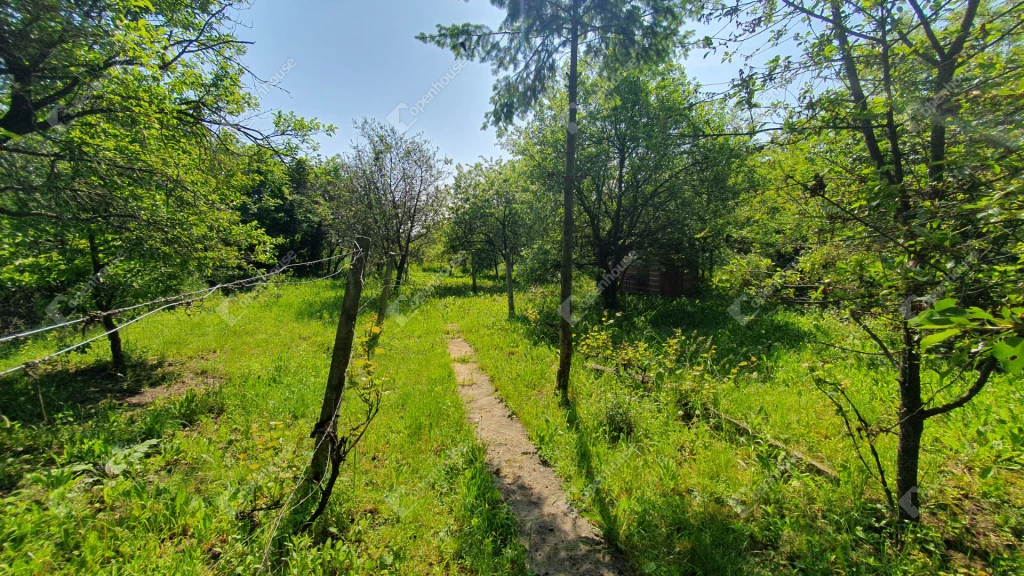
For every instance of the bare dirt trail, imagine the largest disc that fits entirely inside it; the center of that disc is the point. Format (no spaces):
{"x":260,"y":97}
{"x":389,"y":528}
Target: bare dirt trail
{"x":558,"y":540}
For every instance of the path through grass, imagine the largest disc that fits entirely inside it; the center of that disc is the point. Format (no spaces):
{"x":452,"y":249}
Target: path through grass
{"x":195,"y":484}
{"x":680,"y":493}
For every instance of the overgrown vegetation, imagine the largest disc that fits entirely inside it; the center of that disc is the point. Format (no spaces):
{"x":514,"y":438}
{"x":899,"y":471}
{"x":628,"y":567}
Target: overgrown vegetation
{"x":649,"y":457}
{"x":199,"y":482}
{"x":830,"y":384}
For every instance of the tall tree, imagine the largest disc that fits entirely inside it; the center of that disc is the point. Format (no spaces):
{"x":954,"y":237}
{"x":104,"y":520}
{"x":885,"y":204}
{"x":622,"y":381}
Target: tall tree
{"x":919,"y":158}
{"x":120,"y":146}
{"x":524,"y":52}
{"x":148,"y":242}
{"x":398,"y":180}
{"x":649,"y":181}
{"x":65,"y":60}
{"x":491,"y":206}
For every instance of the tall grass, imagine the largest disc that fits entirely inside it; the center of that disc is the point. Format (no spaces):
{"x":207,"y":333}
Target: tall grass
{"x":679,"y":492}
{"x":196,"y":483}
{"x":204,"y":482}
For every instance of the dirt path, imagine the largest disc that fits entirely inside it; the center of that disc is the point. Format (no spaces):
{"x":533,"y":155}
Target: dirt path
{"x":558,"y":540}
{"x":149,"y":395}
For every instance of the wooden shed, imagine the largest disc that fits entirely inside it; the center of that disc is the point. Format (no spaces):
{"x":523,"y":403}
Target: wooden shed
{"x":654,"y":280}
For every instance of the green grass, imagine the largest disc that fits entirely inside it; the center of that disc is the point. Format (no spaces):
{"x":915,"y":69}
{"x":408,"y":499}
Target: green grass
{"x":679,"y":493}
{"x":195,"y":484}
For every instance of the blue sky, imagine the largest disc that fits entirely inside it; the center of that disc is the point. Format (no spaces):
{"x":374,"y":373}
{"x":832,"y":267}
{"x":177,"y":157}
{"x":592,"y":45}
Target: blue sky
{"x":351,"y":59}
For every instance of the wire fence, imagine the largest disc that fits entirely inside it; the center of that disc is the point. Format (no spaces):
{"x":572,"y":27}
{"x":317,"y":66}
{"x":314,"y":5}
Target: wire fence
{"x":167,"y":302}
{"x":243,"y":283}
{"x":271,"y":529}
{"x":188,"y":299}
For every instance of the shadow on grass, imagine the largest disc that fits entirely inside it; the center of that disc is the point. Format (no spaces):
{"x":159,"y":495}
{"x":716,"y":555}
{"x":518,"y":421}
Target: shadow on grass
{"x":86,"y":419}
{"x":708,"y":315}
{"x":462,"y":288}
{"x":325,"y":305}
{"x":672,"y":534}
{"x":78,"y":391}
{"x":585,"y":463}
{"x":543,"y":332}
{"x":653,"y":318}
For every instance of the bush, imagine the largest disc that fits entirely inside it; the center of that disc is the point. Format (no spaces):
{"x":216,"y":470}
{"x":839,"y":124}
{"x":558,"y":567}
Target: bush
{"x":618,"y":420}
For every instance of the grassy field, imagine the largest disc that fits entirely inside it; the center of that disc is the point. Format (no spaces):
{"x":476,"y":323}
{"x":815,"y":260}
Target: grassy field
{"x":681,"y":493}
{"x":205,"y":482}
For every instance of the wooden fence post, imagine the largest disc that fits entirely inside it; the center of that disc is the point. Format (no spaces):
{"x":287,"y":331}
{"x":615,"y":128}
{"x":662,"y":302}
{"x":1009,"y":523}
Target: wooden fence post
{"x":325,"y":431}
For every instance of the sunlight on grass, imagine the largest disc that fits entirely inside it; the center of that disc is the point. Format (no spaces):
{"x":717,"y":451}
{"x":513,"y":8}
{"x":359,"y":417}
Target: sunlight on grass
{"x":218,"y":467}
{"x":205,"y":480}
{"x":680,"y":492}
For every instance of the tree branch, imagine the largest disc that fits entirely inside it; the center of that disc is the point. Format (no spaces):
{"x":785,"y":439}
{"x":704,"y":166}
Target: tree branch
{"x":983,"y":377}
{"x":885,"y":349}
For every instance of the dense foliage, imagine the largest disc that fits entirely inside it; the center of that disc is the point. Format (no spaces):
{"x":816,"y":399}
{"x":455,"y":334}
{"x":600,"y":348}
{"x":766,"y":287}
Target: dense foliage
{"x":837,"y":392}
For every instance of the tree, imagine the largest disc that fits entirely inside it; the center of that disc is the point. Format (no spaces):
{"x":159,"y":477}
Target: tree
{"x":398,"y":180}
{"x":460,"y":234}
{"x":923,"y":249}
{"x":303,"y":203}
{"x":120,"y":147}
{"x":330,"y":450}
{"x":491,"y":211}
{"x":648,"y":182}
{"x":83,"y":262}
{"x":525,"y":51}
{"x":64,"y":60}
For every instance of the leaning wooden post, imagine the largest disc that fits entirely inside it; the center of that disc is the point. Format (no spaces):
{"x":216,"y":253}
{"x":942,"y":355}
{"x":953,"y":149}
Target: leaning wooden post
{"x":325,"y":431}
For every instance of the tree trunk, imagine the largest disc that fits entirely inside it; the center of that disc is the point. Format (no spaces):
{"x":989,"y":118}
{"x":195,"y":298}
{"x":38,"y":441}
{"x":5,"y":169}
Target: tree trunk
{"x":116,"y":348}
{"x":472,"y":269}
{"x":508,"y":285}
{"x":336,"y":264}
{"x":608,"y":282}
{"x":911,"y":428}
{"x":568,"y":227}
{"x":610,"y":294}
{"x":104,"y":302}
{"x":385,"y":291}
{"x":400,"y":275}
{"x":325,"y":431}
{"x":316,"y":252}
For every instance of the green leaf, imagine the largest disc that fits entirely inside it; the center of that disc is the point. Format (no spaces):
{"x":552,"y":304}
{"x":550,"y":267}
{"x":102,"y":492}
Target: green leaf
{"x":934,"y":339}
{"x":944,"y":304}
{"x":979,"y":314}
{"x":1010,"y":353}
